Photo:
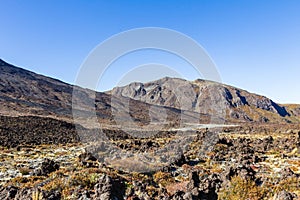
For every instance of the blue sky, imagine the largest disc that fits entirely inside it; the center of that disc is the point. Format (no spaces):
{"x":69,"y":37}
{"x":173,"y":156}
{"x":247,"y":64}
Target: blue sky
{"x":255,"y":44}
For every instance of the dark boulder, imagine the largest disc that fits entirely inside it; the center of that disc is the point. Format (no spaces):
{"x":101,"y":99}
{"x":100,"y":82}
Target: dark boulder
{"x":7,"y":193}
{"x":48,"y":166}
{"x":87,"y":159}
{"x":245,"y":172}
{"x":108,"y":188}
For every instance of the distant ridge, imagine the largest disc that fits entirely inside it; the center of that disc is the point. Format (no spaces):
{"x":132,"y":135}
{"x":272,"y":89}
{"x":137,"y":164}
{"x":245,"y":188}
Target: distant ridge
{"x":25,"y":93}
{"x":238,"y":104}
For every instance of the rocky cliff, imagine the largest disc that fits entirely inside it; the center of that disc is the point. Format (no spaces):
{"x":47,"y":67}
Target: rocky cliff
{"x":207,"y":97}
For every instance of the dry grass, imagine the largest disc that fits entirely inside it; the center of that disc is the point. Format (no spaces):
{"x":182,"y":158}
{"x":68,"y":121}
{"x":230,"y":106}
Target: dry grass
{"x":242,"y":189}
{"x":85,"y":179}
{"x":163,"y":178}
{"x":246,"y":189}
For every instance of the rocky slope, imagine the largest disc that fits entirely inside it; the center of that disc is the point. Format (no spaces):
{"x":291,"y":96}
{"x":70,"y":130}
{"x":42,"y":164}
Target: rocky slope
{"x":208,"y":97}
{"x":24,"y":93}
{"x":167,"y":100}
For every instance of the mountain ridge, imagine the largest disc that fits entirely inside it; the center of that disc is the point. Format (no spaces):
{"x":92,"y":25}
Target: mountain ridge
{"x":23,"y":92}
{"x":235,"y":100}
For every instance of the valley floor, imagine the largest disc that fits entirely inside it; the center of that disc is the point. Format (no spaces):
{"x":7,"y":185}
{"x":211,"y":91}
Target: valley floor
{"x":260,"y":162}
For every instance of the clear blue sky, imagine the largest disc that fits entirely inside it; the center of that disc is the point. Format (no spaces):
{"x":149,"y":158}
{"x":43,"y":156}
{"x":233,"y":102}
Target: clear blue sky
{"x":255,"y":44}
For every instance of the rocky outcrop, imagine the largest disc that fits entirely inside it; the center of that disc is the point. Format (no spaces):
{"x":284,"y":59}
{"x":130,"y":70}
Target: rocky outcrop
{"x":245,"y":172}
{"x":7,"y":193}
{"x":47,"y":166}
{"x":203,"y":96}
{"x":15,"y":193}
{"x":107,"y":188}
{"x":87,"y":159}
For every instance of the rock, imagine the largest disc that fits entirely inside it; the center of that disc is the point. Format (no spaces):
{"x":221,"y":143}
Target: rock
{"x":193,"y":181}
{"x":269,"y":139}
{"x":24,"y":194}
{"x":178,"y":195}
{"x":225,"y":141}
{"x":11,"y":192}
{"x":179,"y":161}
{"x":287,"y":173}
{"x":51,"y":195}
{"x":209,"y":186}
{"x":46,"y":168}
{"x":103,"y":189}
{"x":85,"y":195}
{"x":7,"y":193}
{"x":133,"y":198}
{"x":245,"y":172}
{"x":107,"y":189}
{"x":188,"y":196}
{"x":284,"y":195}
{"x":263,"y":119}
{"x":87,"y":159}
{"x":148,"y":146}
{"x":298,"y":141}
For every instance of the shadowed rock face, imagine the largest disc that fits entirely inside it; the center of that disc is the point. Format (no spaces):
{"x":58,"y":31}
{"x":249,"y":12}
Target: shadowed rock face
{"x":204,"y":97}
{"x":23,"y":92}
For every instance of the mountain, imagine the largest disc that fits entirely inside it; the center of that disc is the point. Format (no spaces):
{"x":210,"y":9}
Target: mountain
{"x":208,"y":97}
{"x":168,"y":101}
{"x":25,"y":93}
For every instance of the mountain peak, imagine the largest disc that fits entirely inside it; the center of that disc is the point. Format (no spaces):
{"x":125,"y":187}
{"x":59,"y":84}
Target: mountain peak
{"x":201,"y":95}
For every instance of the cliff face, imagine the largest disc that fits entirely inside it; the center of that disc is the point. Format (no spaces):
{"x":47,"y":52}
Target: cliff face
{"x":206,"y":97}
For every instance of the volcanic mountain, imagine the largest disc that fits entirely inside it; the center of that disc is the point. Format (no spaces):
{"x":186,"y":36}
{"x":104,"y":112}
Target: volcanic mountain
{"x":211,"y":98}
{"x":168,"y":100}
{"x":25,"y":93}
